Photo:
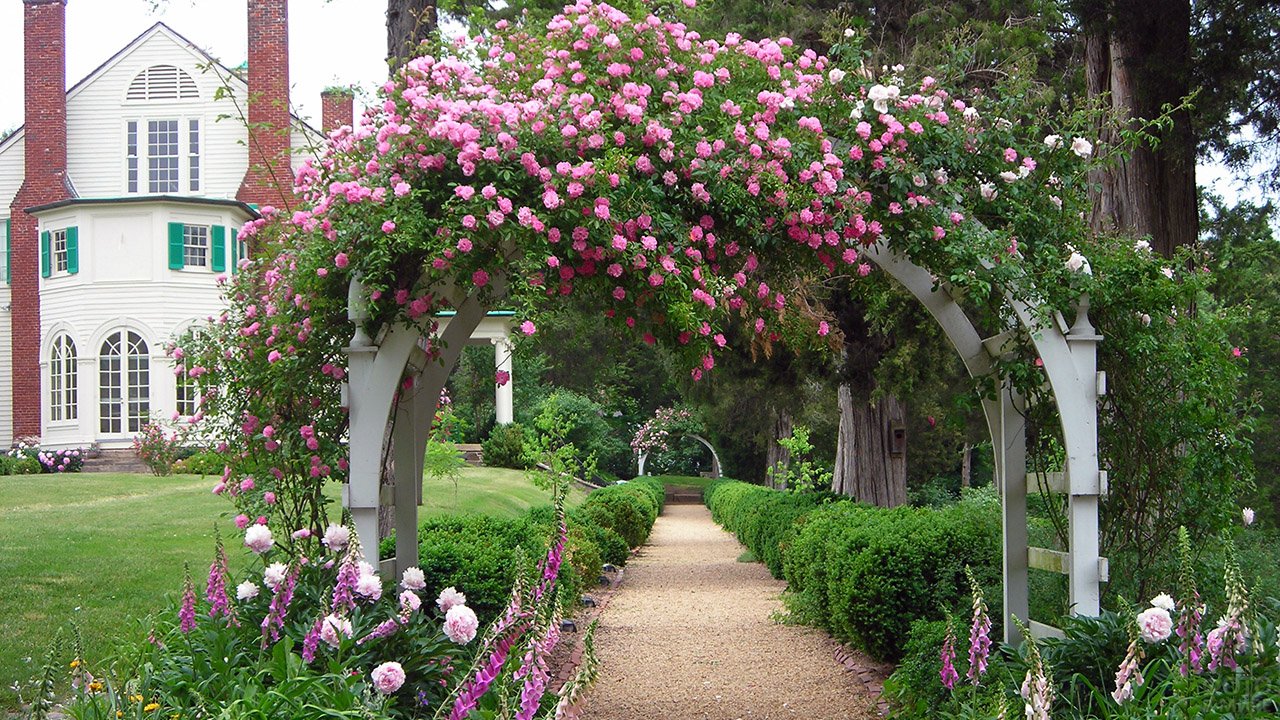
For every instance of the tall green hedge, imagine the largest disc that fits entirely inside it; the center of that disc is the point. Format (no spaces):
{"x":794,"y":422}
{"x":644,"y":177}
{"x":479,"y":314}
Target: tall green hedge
{"x":866,"y":573}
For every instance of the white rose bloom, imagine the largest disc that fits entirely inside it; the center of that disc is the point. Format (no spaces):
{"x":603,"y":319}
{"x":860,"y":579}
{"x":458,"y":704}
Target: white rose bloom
{"x":836,"y":75}
{"x":1146,"y":320}
{"x":1168,"y":272}
{"x":856,"y":112}
{"x":1142,"y":245}
{"x":246,"y":590}
{"x":787,"y":103}
{"x":881,"y":95}
{"x":1163,"y":601}
{"x":1082,"y":147}
{"x":1076,"y":262}
{"x":988,"y":191}
{"x":1052,"y":141}
{"x":971,"y":113}
{"x":1009,"y":176}
{"x":849,"y":32}
{"x":940,"y":176}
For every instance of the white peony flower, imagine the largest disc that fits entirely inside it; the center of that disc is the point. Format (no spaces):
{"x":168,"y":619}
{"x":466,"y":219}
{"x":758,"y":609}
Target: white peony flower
{"x":413,"y":579}
{"x":369,"y":586}
{"x":246,"y":590}
{"x":1052,"y":141}
{"x":1082,"y":147}
{"x":258,"y":538}
{"x":273,"y":576}
{"x":336,"y":537}
{"x":334,"y":629}
{"x":409,"y":601}
{"x":1163,"y":601}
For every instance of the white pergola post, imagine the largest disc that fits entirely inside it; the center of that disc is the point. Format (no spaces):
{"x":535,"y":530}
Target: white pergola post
{"x":504,"y":406}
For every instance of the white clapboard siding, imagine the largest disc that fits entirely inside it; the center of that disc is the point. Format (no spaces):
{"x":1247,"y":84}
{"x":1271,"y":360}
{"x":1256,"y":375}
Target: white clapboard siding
{"x":6,"y":375}
{"x":11,"y":159}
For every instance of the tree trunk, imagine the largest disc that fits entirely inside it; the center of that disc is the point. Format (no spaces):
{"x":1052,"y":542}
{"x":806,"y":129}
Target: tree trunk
{"x":776,"y":455}
{"x":1137,"y":55}
{"x":871,"y":464}
{"x":409,"y":22}
{"x":966,"y":466}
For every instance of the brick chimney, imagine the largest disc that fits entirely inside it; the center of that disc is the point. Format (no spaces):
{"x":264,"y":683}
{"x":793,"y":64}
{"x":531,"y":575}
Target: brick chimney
{"x":337,"y":108}
{"x":44,"y":181}
{"x":269,"y":179}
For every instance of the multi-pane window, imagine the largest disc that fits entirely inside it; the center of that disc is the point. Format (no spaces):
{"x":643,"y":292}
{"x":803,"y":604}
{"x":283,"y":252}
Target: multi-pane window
{"x":131,"y":154}
{"x":60,"y":254}
{"x":170,"y":151}
{"x":124,"y":383}
{"x":193,"y":155}
{"x":63,"y":399}
{"x":162,"y":156}
{"x":195,"y":245}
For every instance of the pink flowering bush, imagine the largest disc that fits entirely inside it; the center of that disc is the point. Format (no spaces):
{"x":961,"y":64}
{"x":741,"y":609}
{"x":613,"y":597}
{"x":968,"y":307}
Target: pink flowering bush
{"x":158,"y":445}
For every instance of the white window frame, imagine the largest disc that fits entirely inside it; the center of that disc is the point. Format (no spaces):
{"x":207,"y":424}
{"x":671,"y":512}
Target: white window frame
{"x":188,"y":170}
{"x":205,"y":249}
{"x":59,"y":255}
{"x":64,"y":391}
{"x":128,"y":385}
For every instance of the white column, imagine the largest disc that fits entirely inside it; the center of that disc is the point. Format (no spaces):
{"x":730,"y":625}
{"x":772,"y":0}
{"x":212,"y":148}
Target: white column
{"x":503,"y":402}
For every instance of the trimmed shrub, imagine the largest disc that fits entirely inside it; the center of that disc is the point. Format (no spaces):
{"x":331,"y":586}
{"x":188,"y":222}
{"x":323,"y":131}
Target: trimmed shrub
{"x":866,"y":573}
{"x":505,"y":447}
{"x":200,"y":462}
{"x":624,"y":511}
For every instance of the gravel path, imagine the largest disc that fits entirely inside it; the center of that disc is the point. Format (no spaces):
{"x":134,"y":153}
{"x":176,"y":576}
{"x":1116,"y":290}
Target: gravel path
{"x":690,"y":636}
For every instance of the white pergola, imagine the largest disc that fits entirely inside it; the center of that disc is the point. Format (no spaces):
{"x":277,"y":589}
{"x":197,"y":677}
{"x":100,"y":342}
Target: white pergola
{"x":394,"y":364}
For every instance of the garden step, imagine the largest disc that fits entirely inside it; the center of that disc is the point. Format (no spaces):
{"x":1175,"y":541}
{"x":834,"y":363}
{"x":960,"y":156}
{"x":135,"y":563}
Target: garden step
{"x":115,"y":461}
{"x":472,"y":453}
{"x":684,"y":495}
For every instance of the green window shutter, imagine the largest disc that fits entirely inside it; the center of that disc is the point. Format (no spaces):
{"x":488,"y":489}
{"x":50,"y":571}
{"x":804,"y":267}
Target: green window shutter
{"x":46,"y":254}
{"x":175,"y":246}
{"x":218,"y":246}
{"x":73,"y":250}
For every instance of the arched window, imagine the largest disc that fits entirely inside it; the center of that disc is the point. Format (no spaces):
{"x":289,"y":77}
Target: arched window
{"x":186,"y":390}
{"x":63,"y":397}
{"x":124,"y":383}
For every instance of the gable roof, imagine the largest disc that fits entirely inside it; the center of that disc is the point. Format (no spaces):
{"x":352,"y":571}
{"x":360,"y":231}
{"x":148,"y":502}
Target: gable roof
{"x":181,"y":41}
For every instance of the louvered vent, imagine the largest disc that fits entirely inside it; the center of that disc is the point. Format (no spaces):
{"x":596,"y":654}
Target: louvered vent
{"x":162,"y":82}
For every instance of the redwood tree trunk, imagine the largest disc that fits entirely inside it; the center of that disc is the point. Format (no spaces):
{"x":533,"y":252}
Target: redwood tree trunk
{"x":966,"y":466}
{"x":409,"y":22}
{"x":871,"y":466}
{"x":1137,"y":56}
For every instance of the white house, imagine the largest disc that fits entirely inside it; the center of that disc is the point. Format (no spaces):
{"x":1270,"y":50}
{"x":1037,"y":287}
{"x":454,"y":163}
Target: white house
{"x":120,"y":203}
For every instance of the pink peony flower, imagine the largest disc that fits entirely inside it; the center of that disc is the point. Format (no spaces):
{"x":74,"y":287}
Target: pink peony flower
{"x":369,"y":586}
{"x":460,"y":624}
{"x":334,"y":629}
{"x":388,"y":677}
{"x":258,"y":538}
{"x":409,"y":602}
{"x":1155,"y":624}
{"x":449,"y":599}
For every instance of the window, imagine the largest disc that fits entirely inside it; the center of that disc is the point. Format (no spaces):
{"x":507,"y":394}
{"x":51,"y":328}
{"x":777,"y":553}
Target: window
{"x":162,"y":156}
{"x":60,"y":252}
{"x":124,"y":383}
{"x":195,"y":245}
{"x":6,"y":235}
{"x":162,"y":82}
{"x":193,"y":155}
{"x":63,"y":400}
{"x":171,"y":149}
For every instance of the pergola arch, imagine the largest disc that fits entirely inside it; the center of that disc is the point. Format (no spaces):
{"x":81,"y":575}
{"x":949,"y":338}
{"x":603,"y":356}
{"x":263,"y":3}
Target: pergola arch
{"x":395,"y":362}
{"x":715,"y":457}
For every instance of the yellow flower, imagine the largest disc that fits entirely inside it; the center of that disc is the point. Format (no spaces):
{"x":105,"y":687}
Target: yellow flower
{"x":135,"y":698}
{"x":95,"y":686}
{"x":75,"y":663}
{"x":152,"y":706}
{"x":119,"y":713}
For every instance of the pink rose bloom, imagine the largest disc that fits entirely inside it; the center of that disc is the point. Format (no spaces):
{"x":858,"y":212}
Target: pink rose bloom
{"x":246,"y":484}
{"x":527,"y":327}
{"x":269,"y":497}
{"x":388,"y":227}
{"x":1155,"y":624}
{"x":388,"y":677}
{"x":242,"y":521}
{"x":460,"y":624}
{"x":258,"y":538}
{"x":449,"y":599}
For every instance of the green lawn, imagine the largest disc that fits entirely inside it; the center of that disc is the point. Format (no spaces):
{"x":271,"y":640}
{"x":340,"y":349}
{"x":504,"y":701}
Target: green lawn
{"x":104,"y":549}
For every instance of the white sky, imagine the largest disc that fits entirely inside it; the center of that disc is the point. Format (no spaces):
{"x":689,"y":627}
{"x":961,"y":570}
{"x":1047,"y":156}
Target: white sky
{"x":331,"y":42}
